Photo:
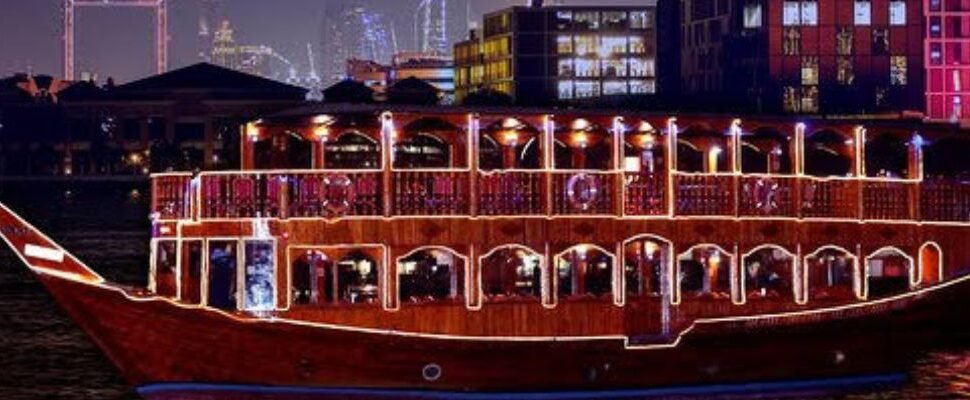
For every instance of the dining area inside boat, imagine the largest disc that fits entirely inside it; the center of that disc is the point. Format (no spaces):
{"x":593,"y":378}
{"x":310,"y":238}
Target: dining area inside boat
{"x":479,"y":224}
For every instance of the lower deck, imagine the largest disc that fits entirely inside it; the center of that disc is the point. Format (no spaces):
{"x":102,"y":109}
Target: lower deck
{"x":522,"y":277}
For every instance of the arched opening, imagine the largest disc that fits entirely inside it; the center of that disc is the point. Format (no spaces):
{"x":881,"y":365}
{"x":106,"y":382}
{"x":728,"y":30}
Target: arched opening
{"x":584,"y":271}
{"x":645,"y":258}
{"x":764,"y":151}
{"x":429,"y":143}
{"x":587,"y":146}
{"x":769,"y":272}
{"x":312,"y":282}
{"x":947,"y":158}
{"x":830,"y":274}
{"x":889,"y":272}
{"x":353,"y":150}
{"x":299,"y":152}
{"x":887,"y":156}
{"x":828,"y":153}
{"x":931,"y":264}
{"x":705,"y":271}
{"x":507,"y":141}
{"x":643,"y":151}
{"x":431,"y":275}
{"x":702,"y":149}
{"x":511,"y":273}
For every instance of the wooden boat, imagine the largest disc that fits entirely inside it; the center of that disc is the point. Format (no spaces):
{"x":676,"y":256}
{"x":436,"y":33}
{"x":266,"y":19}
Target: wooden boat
{"x":453,"y":266}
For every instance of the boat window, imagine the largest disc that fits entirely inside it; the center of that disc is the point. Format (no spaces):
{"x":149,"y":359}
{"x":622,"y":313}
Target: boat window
{"x":643,"y":265}
{"x":828,"y":153}
{"x":584,"y":271}
{"x":312,"y":280}
{"x":887,"y":156}
{"x":260,"y":276}
{"x":431,"y":276}
{"x":222,"y":274}
{"x":165,"y":264}
{"x":511,"y":273}
{"x":353,"y":150}
{"x":831,"y":274}
{"x":888,"y":273}
{"x":705,"y":272}
{"x":768,"y":273}
{"x":357,"y":279}
{"x":191,"y":272}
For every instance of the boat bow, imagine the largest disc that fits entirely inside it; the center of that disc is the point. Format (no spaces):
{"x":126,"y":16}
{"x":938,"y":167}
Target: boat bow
{"x":39,"y":252}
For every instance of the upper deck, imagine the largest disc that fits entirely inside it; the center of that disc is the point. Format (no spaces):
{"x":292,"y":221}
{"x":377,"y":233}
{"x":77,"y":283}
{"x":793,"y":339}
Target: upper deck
{"x":370,"y":164}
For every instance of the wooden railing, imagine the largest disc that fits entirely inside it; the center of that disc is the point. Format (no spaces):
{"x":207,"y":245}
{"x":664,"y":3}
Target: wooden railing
{"x":335,"y":194}
{"x":511,"y":193}
{"x":171,"y":196}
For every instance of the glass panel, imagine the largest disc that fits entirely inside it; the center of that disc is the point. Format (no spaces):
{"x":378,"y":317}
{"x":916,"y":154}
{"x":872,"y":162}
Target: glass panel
{"x":809,"y":13}
{"x":752,"y":15}
{"x":638,"y":45}
{"x":587,"y":45}
{"x":260,"y":276}
{"x":565,"y":89}
{"x":357,"y":280}
{"x":863,"y":13}
{"x":564,"y":44}
{"x":566,"y":69}
{"x":897,"y":70}
{"x":222,"y":274}
{"x":165,"y":263}
{"x":614,"y":68}
{"x":612,"y":45}
{"x":192,"y":272}
{"x":588,"y":20}
{"x":791,"y":14}
{"x":641,"y":20}
{"x":429,"y":276}
{"x":641,"y":67}
{"x":615,"y":88}
{"x":897,"y":13}
{"x":587,"y":89}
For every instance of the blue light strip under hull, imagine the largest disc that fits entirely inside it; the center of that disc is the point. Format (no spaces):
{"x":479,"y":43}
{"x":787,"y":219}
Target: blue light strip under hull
{"x":795,"y":387}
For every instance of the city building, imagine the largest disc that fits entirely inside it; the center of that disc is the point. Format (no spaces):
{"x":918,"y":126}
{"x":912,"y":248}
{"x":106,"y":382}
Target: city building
{"x":809,"y":56}
{"x":251,"y":59}
{"x":550,"y":54}
{"x":350,"y":31}
{"x":435,"y":69}
{"x":948,"y":59}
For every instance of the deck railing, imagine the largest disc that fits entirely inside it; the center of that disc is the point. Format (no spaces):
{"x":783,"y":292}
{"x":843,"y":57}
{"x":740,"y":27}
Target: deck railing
{"x":336,"y":194}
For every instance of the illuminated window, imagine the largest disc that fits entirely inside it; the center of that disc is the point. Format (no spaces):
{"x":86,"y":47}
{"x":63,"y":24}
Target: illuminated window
{"x":566,"y":90}
{"x":897,"y":13}
{"x":897,"y":70}
{"x":793,"y":42}
{"x":614,"y":68}
{"x":863,"y":12}
{"x":566,"y":69}
{"x":809,"y":13}
{"x":790,"y":101}
{"x":640,"y":20}
{"x":613,"y":45}
{"x":843,"y":41}
{"x":587,"y":44}
{"x":642,"y":87}
{"x":584,"y":272}
{"x":641,"y":67}
{"x":511,"y":273}
{"x":809,"y":100}
{"x":615,"y":20}
{"x":752,"y":15}
{"x":431,"y":276}
{"x":936,"y":54}
{"x":615,"y":88}
{"x":564,"y":20}
{"x":791,"y":14}
{"x":587,"y":68}
{"x":587,"y":89}
{"x":810,"y":71}
{"x":588,"y":20}
{"x":794,"y":13}
{"x":564,"y":44}
{"x":260,"y":276}
{"x":880,"y":42}
{"x":638,"y":45}
{"x":845,"y":74}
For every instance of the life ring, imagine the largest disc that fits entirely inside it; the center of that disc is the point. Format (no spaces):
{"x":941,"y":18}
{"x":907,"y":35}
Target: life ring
{"x":766,"y":195}
{"x":582,"y":191}
{"x":340,"y":194}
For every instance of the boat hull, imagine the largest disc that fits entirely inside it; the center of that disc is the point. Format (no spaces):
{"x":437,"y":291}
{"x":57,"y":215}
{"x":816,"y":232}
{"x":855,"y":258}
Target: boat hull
{"x":155,"y":342}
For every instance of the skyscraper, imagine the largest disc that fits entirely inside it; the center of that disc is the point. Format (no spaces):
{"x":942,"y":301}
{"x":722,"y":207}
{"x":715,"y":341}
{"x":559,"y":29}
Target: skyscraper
{"x":211,"y":13}
{"x":351,"y":30}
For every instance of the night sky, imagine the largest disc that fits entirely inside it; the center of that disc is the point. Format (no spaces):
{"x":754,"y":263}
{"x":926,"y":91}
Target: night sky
{"x":117,"y":42}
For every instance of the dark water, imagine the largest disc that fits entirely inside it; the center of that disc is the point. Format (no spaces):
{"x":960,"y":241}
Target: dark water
{"x":44,"y":356}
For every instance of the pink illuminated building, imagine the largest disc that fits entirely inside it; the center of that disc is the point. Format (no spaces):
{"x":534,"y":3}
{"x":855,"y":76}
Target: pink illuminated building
{"x":948,"y":59}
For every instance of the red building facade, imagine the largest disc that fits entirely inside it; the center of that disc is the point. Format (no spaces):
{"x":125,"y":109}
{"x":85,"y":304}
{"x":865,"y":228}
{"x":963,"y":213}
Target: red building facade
{"x":948,"y":59}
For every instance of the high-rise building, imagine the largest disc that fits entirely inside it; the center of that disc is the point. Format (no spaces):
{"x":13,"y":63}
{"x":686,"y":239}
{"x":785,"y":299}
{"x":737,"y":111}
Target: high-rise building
{"x":251,"y":59}
{"x":551,"y":54}
{"x":948,"y":59}
{"x":806,"y":56}
{"x":211,"y":14}
{"x":352,"y":31}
